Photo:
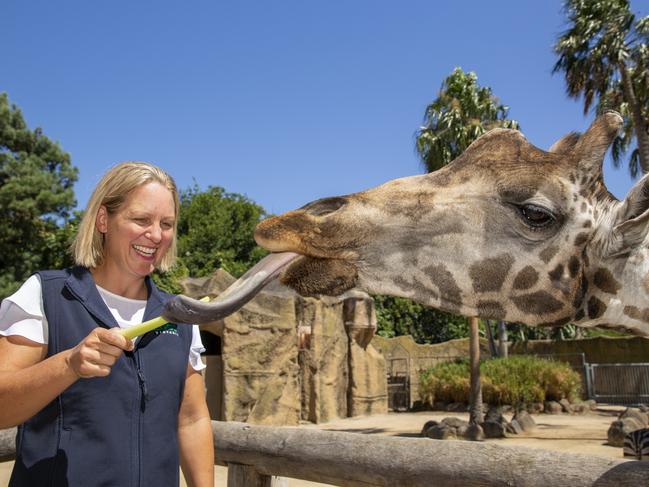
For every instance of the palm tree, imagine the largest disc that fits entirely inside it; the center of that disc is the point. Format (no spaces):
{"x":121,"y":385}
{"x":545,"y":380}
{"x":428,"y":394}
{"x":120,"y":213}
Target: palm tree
{"x":604,"y":55}
{"x":462,"y":112}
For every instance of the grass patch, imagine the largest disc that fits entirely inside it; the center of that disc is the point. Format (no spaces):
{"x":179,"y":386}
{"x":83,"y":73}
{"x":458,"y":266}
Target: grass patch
{"x":516,"y":380}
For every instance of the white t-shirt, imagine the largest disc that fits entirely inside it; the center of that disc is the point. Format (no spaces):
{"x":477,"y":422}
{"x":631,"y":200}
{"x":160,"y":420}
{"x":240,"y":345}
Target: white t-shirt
{"x":22,"y":314}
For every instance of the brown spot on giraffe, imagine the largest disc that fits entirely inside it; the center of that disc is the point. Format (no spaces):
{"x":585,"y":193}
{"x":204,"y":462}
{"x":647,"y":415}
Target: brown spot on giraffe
{"x":558,"y":323}
{"x":445,"y":282}
{"x":526,"y":278}
{"x":414,"y":207}
{"x":573,"y":266}
{"x":581,"y":239}
{"x":548,"y":253}
{"x":605,"y":281}
{"x":557,"y":273}
{"x":596,"y":308}
{"x":636,"y":313}
{"x":489,"y":274}
{"x":445,"y":224}
{"x":537,"y":303}
{"x":491,"y":310}
{"x":578,"y":300}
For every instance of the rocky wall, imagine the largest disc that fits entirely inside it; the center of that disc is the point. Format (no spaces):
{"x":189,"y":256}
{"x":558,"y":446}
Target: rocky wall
{"x":285,"y":358}
{"x":325,"y":373}
{"x":368,"y":389}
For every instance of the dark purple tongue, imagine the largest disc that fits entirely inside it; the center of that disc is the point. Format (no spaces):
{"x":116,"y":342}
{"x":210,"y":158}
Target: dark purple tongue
{"x":182,"y":309}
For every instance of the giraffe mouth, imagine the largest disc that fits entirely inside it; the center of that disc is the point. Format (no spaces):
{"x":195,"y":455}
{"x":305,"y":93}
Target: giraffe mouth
{"x":311,"y":276}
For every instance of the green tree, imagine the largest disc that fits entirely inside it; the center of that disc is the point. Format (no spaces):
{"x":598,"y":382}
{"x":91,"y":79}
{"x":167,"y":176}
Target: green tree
{"x":604,"y":56}
{"x":461,"y":113}
{"x":400,"y":316}
{"x":215,"y":230}
{"x":36,"y":198}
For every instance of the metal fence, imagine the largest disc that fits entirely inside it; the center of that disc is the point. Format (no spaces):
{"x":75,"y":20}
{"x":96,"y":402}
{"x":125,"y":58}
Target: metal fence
{"x":398,"y":384}
{"x":624,"y":384}
{"x":619,"y":383}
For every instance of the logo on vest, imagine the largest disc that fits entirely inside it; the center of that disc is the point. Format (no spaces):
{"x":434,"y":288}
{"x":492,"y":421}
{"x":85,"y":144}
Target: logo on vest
{"x":167,"y":329}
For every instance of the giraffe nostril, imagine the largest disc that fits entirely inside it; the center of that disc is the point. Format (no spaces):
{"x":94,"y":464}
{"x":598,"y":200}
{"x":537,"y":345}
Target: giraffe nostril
{"x":324,"y":206}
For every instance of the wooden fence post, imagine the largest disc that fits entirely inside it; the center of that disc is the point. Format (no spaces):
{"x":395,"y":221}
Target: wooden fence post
{"x":247,"y":476}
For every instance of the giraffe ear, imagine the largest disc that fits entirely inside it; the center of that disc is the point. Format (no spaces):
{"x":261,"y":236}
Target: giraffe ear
{"x":592,"y":145}
{"x":631,"y":223}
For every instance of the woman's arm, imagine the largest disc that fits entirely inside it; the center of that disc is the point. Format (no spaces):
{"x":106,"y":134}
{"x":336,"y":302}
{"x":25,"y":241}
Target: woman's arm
{"x":195,"y":433}
{"x":28,"y":381}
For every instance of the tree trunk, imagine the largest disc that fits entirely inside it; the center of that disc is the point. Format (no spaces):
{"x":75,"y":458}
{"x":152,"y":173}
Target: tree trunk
{"x":639,"y":124}
{"x":502,"y":339}
{"x":493,"y":351}
{"x":475,"y":400}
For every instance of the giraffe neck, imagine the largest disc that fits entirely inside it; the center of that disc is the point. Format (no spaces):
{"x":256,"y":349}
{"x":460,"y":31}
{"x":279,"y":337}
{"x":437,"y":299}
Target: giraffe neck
{"x":619,"y":295}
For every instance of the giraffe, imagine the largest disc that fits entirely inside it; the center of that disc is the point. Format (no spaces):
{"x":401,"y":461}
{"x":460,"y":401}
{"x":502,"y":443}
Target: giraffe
{"x":506,"y":231}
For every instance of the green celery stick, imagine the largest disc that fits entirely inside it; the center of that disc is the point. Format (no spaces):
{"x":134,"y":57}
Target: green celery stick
{"x":147,"y":326}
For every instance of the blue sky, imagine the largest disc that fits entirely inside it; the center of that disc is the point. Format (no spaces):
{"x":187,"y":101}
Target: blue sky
{"x":284,"y":101}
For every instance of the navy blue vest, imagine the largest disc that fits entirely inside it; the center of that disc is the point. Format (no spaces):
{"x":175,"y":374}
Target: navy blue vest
{"x":119,"y":430}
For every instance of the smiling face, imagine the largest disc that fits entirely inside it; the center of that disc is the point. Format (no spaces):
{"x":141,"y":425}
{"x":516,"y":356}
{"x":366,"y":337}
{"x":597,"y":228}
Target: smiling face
{"x":139,"y":233}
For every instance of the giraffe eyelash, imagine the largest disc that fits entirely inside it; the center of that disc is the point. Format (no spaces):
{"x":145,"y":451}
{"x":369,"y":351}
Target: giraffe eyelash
{"x":536,"y":217}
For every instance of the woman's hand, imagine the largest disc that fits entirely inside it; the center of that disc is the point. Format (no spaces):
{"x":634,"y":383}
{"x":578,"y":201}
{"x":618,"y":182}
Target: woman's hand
{"x":98,"y":352}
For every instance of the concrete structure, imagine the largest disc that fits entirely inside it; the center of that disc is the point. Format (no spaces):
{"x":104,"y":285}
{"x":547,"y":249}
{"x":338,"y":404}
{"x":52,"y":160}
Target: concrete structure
{"x":283,"y":359}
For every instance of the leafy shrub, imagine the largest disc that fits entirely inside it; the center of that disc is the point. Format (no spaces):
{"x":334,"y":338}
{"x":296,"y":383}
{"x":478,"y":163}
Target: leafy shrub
{"x":515,"y":380}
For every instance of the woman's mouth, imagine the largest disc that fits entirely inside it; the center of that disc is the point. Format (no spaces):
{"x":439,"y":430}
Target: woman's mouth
{"x":147,"y":252}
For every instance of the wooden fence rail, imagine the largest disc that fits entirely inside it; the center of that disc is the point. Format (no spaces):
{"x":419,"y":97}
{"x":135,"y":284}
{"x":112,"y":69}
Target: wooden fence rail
{"x":258,"y":453}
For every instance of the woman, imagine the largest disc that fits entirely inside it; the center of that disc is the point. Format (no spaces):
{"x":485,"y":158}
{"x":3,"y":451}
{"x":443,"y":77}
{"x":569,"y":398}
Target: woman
{"x":95,"y":408}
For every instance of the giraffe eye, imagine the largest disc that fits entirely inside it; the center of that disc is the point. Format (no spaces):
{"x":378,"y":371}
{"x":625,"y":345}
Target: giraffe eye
{"x":535,"y":216}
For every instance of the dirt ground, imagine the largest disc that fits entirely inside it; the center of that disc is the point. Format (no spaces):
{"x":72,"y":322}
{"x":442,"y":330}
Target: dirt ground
{"x":561,"y":433}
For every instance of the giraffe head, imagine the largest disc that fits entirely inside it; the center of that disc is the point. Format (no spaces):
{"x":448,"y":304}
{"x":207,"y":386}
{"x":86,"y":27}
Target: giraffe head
{"x":506,"y":231}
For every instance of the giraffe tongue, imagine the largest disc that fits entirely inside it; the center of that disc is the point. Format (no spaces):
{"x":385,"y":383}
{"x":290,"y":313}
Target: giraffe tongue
{"x":182,"y":309}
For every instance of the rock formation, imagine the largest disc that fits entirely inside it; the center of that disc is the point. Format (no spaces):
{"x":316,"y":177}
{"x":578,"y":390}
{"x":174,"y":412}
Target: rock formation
{"x":285,"y":358}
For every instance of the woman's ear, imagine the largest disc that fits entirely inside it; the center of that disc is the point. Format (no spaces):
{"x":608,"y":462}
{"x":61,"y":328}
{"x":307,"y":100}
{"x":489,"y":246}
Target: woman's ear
{"x":101,"y":222}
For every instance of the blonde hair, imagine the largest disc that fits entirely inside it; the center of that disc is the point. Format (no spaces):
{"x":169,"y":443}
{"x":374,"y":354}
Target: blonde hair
{"x":111,"y":192}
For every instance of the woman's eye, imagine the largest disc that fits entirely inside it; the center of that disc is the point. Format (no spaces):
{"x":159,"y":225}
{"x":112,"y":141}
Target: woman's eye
{"x":167,"y":225}
{"x":535,"y":216}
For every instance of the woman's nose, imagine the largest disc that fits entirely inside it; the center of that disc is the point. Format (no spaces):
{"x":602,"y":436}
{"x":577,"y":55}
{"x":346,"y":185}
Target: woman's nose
{"x":155,"y":233}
